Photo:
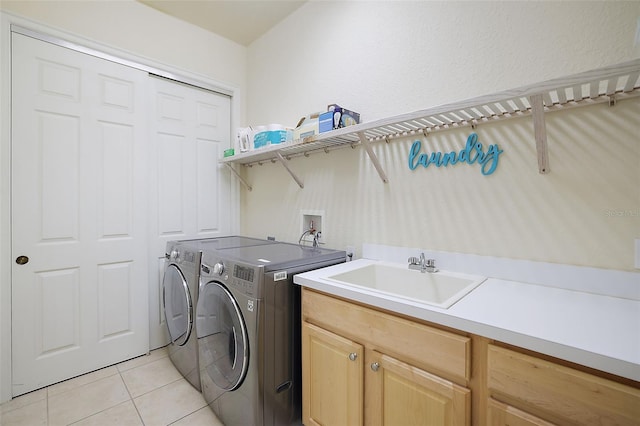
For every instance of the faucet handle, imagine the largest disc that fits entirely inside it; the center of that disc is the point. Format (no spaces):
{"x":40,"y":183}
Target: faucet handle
{"x":413,"y":261}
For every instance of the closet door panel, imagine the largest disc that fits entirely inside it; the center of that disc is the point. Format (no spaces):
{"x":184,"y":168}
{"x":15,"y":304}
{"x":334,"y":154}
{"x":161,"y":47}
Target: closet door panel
{"x":190,"y":191}
{"x":79,"y":210}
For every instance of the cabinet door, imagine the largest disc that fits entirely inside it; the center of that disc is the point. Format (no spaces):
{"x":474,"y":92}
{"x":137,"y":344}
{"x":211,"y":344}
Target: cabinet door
{"x":332,"y":382}
{"x":400,"y":394}
{"x":505,"y":415}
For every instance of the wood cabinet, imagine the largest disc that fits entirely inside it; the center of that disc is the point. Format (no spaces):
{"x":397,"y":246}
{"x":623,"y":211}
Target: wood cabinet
{"x":503,"y":414}
{"x":531,"y":389}
{"x":332,"y":385}
{"x":362,"y":366}
{"x":398,"y":393}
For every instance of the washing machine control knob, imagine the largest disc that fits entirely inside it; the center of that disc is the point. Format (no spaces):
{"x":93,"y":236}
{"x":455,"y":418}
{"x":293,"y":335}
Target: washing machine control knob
{"x":175,"y":255}
{"x":218,"y":268}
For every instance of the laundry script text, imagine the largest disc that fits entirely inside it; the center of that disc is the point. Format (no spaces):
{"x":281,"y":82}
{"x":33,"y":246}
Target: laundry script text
{"x":473,"y":153}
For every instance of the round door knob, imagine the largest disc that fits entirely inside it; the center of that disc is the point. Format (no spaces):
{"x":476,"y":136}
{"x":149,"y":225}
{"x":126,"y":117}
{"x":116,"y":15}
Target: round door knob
{"x":218,"y":268}
{"x":353,"y":356}
{"x":22,"y":260}
{"x":375,"y":366}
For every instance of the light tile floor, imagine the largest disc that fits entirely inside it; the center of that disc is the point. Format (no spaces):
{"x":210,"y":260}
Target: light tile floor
{"x":144,"y":391}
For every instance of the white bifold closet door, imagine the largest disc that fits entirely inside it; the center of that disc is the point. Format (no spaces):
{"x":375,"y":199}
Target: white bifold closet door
{"x":190,"y":192}
{"x":79,"y":213}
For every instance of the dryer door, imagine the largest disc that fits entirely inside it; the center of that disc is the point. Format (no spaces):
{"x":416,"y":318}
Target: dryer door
{"x":178,"y":308}
{"x":222,"y":337}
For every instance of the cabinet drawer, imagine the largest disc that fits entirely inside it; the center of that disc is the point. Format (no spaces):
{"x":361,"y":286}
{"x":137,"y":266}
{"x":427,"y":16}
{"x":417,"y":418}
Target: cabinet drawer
{"x":435,"y":350}
{"x":559,"y":393}
{"x":504,"y":415}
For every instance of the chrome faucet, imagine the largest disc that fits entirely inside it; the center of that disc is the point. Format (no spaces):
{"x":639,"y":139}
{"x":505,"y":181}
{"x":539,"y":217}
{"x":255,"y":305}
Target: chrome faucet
{"x":423,"y":265}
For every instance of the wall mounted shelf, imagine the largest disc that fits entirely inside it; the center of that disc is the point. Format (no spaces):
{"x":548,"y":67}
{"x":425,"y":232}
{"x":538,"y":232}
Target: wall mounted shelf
{"x":608,"y":84}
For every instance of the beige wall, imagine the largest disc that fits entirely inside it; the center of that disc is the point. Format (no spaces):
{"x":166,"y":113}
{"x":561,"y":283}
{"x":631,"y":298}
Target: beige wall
{"x":142,"y":31}
{"x":386,"y":58}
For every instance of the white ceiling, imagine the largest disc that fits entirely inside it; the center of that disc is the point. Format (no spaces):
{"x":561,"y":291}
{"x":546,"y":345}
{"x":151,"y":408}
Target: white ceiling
{"x":242,"y":21}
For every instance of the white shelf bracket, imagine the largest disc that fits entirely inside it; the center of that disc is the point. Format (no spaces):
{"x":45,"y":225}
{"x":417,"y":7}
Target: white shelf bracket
{"x":286,"y":166}
{"x":540,"y":131}
{"x":372,"y":155}
{"x":244,"y":182}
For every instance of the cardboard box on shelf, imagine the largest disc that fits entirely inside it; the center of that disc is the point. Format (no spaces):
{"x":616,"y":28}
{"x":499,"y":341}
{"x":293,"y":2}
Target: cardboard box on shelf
{"x":337,"y":117}
{"x":307,"y":126}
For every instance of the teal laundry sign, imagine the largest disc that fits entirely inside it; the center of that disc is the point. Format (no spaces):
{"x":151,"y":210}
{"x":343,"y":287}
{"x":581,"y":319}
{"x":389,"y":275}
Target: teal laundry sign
{"x":474,"y":152}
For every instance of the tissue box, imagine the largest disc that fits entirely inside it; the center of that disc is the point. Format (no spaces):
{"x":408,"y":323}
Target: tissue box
{"x":337,"y":117}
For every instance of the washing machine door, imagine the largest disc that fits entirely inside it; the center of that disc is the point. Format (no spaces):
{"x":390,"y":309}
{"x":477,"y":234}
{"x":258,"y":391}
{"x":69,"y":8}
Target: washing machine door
{"x":222,"y":336}
{"x":178,"y":308}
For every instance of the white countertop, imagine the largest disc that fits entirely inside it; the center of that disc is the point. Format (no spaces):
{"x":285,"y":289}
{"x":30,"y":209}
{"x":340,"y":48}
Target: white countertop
{"x":601,"y":332}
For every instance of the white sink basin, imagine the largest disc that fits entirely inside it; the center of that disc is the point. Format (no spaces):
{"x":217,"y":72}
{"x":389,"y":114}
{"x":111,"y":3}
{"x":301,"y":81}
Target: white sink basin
{"x":441,"y":289}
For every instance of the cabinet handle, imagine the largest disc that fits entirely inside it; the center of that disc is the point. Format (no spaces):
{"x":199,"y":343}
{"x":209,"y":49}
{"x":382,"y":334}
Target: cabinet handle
{"x":353,"y":356}
{"x":375,"y":366}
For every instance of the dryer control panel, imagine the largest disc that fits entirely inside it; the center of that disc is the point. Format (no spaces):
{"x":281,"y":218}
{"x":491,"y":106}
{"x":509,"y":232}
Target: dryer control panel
{"x":181,"y":255}
{"x":243,"y":273}
{"x":244,"y":278}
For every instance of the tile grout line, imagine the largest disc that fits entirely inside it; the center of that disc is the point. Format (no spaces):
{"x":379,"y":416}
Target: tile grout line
{"x":21,"y":407}
{"x":131,"y":398}
{"x":164,"y":386}
{"x":119,"y":373}
{"x":189,"y":414}
{"x":185,"y":416}
{"x":93,"y":413}
{"x":48,"y":395}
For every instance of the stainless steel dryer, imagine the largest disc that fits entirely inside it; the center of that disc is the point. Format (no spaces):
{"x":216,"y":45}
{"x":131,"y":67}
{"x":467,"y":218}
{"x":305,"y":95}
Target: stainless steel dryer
{"x":180,"y":290}
{"x":179,"y":299}
{"x":248,"y":326}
